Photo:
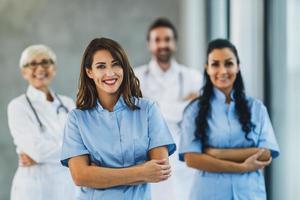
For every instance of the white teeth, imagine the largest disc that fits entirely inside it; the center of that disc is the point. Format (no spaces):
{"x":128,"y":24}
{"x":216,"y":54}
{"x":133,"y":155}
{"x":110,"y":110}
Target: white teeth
{"x":222,"y":78}
{"x":40,"y":76}
{"x":110,"y":81}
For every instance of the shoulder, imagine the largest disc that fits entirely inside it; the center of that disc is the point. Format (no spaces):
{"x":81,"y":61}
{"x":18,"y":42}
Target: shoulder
{"x":188,"y":70}
{"x":192,"y":73}
{"x":144,"y":103}
{"x":192,"y":108}
{"x":256,"y":106}
{"x":254,"y":102}
{"x":17,"y":103}
{"x":140,"y":70}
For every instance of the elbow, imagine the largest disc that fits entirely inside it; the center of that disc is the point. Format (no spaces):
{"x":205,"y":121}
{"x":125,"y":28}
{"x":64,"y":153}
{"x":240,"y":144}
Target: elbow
{"x":78,"y":178}
{"x":265,"y":156}
{"x":189,"y":160}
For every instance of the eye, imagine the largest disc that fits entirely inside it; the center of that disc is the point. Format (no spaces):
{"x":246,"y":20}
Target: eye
{"x":100,"y":66}
{"x":229,"y":64}
{"x":167,"y":39}
{"x":215,"y":64}
{"x":33,"y":64}
{"x":116,"y":63}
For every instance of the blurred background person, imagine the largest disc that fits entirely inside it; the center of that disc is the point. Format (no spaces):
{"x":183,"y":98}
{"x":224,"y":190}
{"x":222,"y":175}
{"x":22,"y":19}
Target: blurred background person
{"x":227,"y":136}
{"x":173,"y":86}
{"x":36,"y":122}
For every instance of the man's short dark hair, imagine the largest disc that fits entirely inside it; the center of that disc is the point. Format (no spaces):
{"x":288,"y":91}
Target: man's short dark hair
{"x":162,"y":22}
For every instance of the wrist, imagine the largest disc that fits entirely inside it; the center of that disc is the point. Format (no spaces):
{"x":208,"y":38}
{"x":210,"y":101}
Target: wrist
{"x":243,"y":167}
{"x":139,"y":173}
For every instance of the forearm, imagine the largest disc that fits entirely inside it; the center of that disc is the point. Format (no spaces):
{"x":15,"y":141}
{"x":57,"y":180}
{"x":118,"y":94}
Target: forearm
{"x":237,"y":155}
{"x":102,"y":177}
{"x":157,"y":153}
{"x":208,"y":163}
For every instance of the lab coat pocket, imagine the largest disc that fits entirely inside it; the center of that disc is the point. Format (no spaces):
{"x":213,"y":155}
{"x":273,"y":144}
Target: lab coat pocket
{"x":141,"y":147}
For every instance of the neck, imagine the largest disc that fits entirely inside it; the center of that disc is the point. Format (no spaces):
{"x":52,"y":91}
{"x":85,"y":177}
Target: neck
{"x":227,"y":93}
{"x":165,"y":66}
{"x":108,"y":101}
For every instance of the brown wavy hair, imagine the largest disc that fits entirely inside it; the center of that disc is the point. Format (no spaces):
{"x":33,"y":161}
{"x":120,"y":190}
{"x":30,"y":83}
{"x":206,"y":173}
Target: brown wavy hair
{"x":87,"y":93}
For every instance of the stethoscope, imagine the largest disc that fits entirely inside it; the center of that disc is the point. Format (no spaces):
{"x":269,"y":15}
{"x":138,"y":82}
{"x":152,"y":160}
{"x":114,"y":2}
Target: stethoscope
{"x":60,"y":107}
{"x":180,"y":79}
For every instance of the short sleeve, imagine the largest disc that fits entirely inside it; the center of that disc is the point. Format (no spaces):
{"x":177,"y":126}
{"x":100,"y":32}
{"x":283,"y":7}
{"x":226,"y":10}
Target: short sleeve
{"x":72,"y":143}
{"x":267,"y":137}
{"x":188,"y":140}
{"x":159,"y":133}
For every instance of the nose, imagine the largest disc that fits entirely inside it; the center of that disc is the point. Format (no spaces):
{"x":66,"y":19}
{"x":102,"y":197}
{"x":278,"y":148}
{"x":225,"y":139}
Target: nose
{"x":222,"y":69}
{"x":110,"y":72}
{"x":39,"y":67}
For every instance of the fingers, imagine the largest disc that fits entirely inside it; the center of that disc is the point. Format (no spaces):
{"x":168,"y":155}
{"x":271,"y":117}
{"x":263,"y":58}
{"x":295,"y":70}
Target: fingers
{"x":25,"y":160}
{"x":258,"y":154}
{"x":265,"y":163}
{"x":161,"y":162}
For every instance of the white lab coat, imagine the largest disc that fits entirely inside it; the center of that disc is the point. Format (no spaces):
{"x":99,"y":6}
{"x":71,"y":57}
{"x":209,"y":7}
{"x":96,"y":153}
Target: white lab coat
{"x":48,"y":180}
{"x":167,"y":89}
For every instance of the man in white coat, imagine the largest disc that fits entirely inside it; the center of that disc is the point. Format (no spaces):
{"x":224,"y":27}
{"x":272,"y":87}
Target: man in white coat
{"x":172,"y":86}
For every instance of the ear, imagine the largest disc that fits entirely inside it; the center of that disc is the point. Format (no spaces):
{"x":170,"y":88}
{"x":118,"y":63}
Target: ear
{"x":148,"y":44}
{"x":89,"y":73}
{"x":54,"y":70}
{"x":206,"y":68}
{"x":24,"y":73}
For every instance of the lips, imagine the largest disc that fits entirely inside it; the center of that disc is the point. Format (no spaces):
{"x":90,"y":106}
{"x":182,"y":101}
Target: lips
{"x":40,"y":76}
{"x":110,"y":81}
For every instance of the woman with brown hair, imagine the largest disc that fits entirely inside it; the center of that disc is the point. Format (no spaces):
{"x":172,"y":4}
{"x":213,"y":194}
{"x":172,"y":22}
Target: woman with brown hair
{"x":115,"y":142}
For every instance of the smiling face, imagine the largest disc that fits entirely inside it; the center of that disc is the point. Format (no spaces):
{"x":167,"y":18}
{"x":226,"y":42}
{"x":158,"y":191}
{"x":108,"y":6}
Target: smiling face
{"x":106,"y":72}
{"x":222,"y":69}
{"x":39,"y":71}
{"x":162,"y":44}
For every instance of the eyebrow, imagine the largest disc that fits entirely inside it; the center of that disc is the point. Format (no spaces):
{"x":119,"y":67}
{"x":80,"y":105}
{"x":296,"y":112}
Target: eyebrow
{"x":100,"y":63}
{"x":113,"y":61}
{"x":228,"y":59}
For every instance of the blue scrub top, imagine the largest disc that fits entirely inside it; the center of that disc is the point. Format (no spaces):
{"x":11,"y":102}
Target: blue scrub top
{"x":116,"y":139}
{"x":225,"y":131}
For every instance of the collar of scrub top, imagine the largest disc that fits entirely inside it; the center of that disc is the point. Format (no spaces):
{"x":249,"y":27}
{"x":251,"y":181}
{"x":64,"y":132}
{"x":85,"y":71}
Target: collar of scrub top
{"x":220,"y":96}
{"x":120,"y":105}
{"x":154,"y":69}
{"x":34,"y":94}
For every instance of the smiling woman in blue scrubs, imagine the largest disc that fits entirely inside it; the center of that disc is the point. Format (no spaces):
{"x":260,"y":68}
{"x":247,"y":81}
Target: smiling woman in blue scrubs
{"x":115,"y":142}
{"x":227,"y":136}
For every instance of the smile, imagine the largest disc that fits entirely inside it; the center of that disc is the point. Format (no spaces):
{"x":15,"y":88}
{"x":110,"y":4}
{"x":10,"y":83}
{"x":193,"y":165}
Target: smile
{"x":110,"y":81}
{"x":40,"y":76}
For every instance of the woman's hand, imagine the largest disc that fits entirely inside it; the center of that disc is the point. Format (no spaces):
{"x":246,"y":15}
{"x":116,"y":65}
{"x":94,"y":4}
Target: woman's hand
{"x":252,"y":163}
{"x":156,"y":170}
{"x":25,"y":160}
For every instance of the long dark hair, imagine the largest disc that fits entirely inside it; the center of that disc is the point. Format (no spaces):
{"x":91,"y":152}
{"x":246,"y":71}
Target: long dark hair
{"x":87,"y":93}
{"x":241,"y":104}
